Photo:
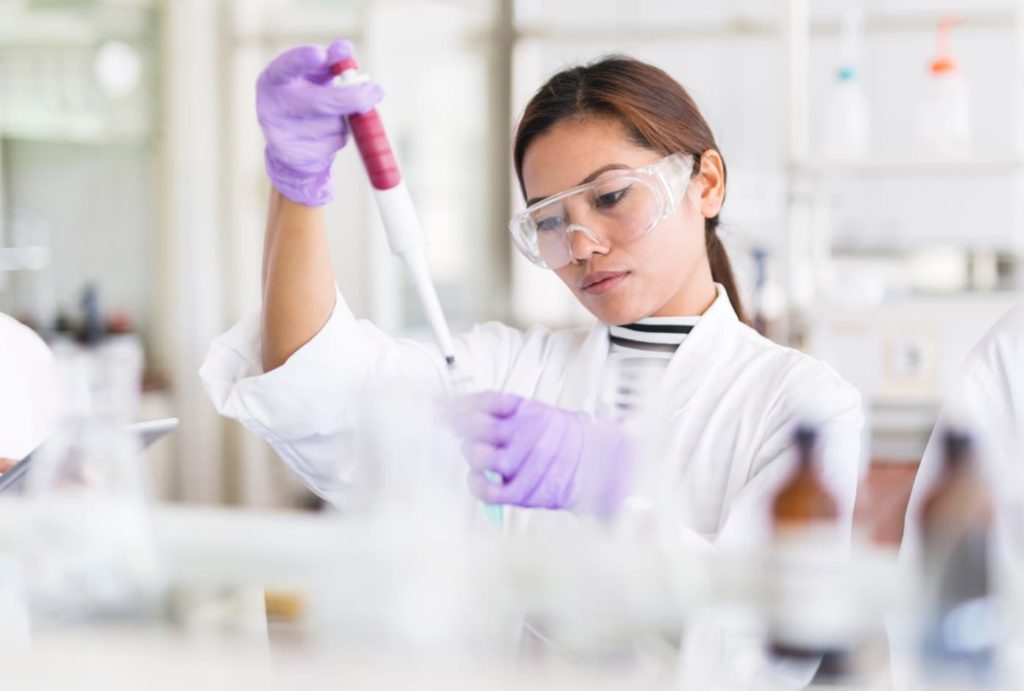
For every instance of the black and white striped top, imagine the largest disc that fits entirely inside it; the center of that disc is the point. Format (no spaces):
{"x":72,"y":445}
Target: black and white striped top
{"x":654,"y":337}
{"x":638,"y":356}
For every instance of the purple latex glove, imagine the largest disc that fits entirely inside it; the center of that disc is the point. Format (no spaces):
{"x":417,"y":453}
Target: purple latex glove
{"x":548,"y":457}
{"x":302,"y":118}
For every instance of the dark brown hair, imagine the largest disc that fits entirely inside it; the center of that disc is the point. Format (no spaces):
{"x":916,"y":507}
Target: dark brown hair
{"x":656,"y":112}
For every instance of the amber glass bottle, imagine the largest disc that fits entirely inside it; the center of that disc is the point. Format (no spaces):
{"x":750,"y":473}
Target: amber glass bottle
{"x":810,"y":613}
{"x":803,"y":501}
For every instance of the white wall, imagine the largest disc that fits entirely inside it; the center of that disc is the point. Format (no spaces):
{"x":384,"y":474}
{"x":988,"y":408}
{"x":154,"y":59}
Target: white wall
{"x":97,"y":204}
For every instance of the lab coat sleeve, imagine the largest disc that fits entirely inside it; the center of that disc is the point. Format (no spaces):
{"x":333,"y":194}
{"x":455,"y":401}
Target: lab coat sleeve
{"x":720,"y":655}
{"x":812,"y":394}
{"x":28,"y":399}
{"x":989,"y":404}
{"x":307,"y":408}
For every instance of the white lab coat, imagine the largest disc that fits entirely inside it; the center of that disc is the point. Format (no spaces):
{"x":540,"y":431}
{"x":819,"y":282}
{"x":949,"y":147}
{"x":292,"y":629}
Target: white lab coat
{"x":734,"y":399}
{"x":989,"y":403}
{"x":27,"y":418}
{"x":27,"y":390}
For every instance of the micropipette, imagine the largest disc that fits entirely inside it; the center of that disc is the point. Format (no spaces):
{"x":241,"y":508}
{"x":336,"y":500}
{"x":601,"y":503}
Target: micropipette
{"x":402,"y":225}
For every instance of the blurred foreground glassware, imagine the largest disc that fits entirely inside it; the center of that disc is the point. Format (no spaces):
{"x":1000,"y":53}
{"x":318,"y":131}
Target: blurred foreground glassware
{"x":810,"y":613}
{"x":90,"y":550}
{"x":959,"y":616}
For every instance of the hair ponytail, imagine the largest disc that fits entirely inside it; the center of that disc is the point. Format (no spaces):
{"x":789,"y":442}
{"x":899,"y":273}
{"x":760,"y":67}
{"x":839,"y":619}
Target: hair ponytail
{"x":721,"y":266}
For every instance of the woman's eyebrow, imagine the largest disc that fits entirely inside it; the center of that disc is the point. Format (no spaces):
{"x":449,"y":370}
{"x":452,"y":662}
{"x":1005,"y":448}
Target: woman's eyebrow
{"x":589,"y":178}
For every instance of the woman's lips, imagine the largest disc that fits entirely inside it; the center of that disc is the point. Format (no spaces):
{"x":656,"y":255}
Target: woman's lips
{"x":602,"y":281}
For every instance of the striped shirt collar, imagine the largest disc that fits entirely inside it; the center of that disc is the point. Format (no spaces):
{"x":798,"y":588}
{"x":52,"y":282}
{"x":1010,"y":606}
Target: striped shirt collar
{"x":653,"y":334}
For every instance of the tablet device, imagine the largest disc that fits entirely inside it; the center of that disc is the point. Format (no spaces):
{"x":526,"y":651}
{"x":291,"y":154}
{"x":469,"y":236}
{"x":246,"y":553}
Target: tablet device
{"x":150,"y":431}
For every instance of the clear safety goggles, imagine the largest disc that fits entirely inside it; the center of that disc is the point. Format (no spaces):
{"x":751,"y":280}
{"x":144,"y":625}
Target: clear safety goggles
{"x":615,"y":209}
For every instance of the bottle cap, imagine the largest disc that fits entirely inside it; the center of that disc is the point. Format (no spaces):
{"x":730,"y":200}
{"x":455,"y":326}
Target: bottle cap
{"x":943,"y":65}
{"x":944,"y":62}
{"x":957,"y":443}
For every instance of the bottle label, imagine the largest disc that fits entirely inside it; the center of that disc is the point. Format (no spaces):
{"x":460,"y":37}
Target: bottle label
{"x":812,"y":606}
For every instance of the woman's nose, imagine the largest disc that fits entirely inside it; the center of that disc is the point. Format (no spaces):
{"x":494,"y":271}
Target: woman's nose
{"x":583,"y":243}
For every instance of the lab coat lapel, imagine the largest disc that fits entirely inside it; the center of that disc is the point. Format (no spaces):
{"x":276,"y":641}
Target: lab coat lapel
{"x":692,"y":361}
{"x":584,"y":371}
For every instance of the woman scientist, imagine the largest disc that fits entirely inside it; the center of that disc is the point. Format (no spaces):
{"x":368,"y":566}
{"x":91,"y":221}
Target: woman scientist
{"x":624,"y":183}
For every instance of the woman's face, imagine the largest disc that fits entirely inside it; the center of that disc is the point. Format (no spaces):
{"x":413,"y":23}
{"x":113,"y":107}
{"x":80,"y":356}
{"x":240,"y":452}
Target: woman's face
{"x":663,"y":273}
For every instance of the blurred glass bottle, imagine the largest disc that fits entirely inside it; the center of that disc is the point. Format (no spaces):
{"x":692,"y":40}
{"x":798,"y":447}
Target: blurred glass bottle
{"x":768,"y":302}
{"x":848,"y":128}
{"x":630,"y":395}
{"x":958,"y":616}
{"x":810,"y":612}
{"x":944,"y":118}
{"x":90,"y":549}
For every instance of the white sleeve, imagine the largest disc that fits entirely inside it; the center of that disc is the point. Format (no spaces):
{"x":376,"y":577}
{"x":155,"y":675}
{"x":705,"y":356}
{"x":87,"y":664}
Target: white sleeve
{"x":832,"y":407}
{"x":989,"y":404}
{"x":307,"y":408}
{"x":27,"y":390}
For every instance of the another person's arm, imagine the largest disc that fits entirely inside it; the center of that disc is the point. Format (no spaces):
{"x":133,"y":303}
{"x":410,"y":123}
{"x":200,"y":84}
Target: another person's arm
{"x":28,"y":391}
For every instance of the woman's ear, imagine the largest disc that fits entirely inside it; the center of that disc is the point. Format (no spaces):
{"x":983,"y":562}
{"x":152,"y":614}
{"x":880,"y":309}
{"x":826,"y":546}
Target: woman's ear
{"x":712,"y":183}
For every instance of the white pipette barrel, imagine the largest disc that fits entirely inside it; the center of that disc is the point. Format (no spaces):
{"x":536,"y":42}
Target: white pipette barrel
{"x":402,"y":226}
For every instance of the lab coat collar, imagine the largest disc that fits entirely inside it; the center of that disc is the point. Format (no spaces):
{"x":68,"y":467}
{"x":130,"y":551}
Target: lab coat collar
{"x":693,"y":359}
{"x":686,"y":369}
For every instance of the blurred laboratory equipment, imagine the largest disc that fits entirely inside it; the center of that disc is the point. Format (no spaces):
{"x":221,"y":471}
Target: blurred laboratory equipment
{"x":30,"y":296}
{"x":118,"y":68}
{"x":89,"y":547}
{"x":26,"y":272}
{"x":938,"y":269}
{"x":959,"y":616}
{"x":407,"y":462}
{"x":944,"y":120}
{"x":810,"y":613}
{"x":848,"y":127}
{"x":767,"y":304}
{"x":630,"y":394}
{"x":412,"y":504}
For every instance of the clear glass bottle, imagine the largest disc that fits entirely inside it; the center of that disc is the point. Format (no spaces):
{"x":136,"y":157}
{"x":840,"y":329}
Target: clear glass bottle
{"x":90,"y":548}
{"x":944,"y":118}
{"x":848,"y":128}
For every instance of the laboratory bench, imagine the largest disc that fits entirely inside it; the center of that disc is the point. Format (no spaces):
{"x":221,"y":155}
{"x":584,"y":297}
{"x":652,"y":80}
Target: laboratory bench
{"x":325,"y":580}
